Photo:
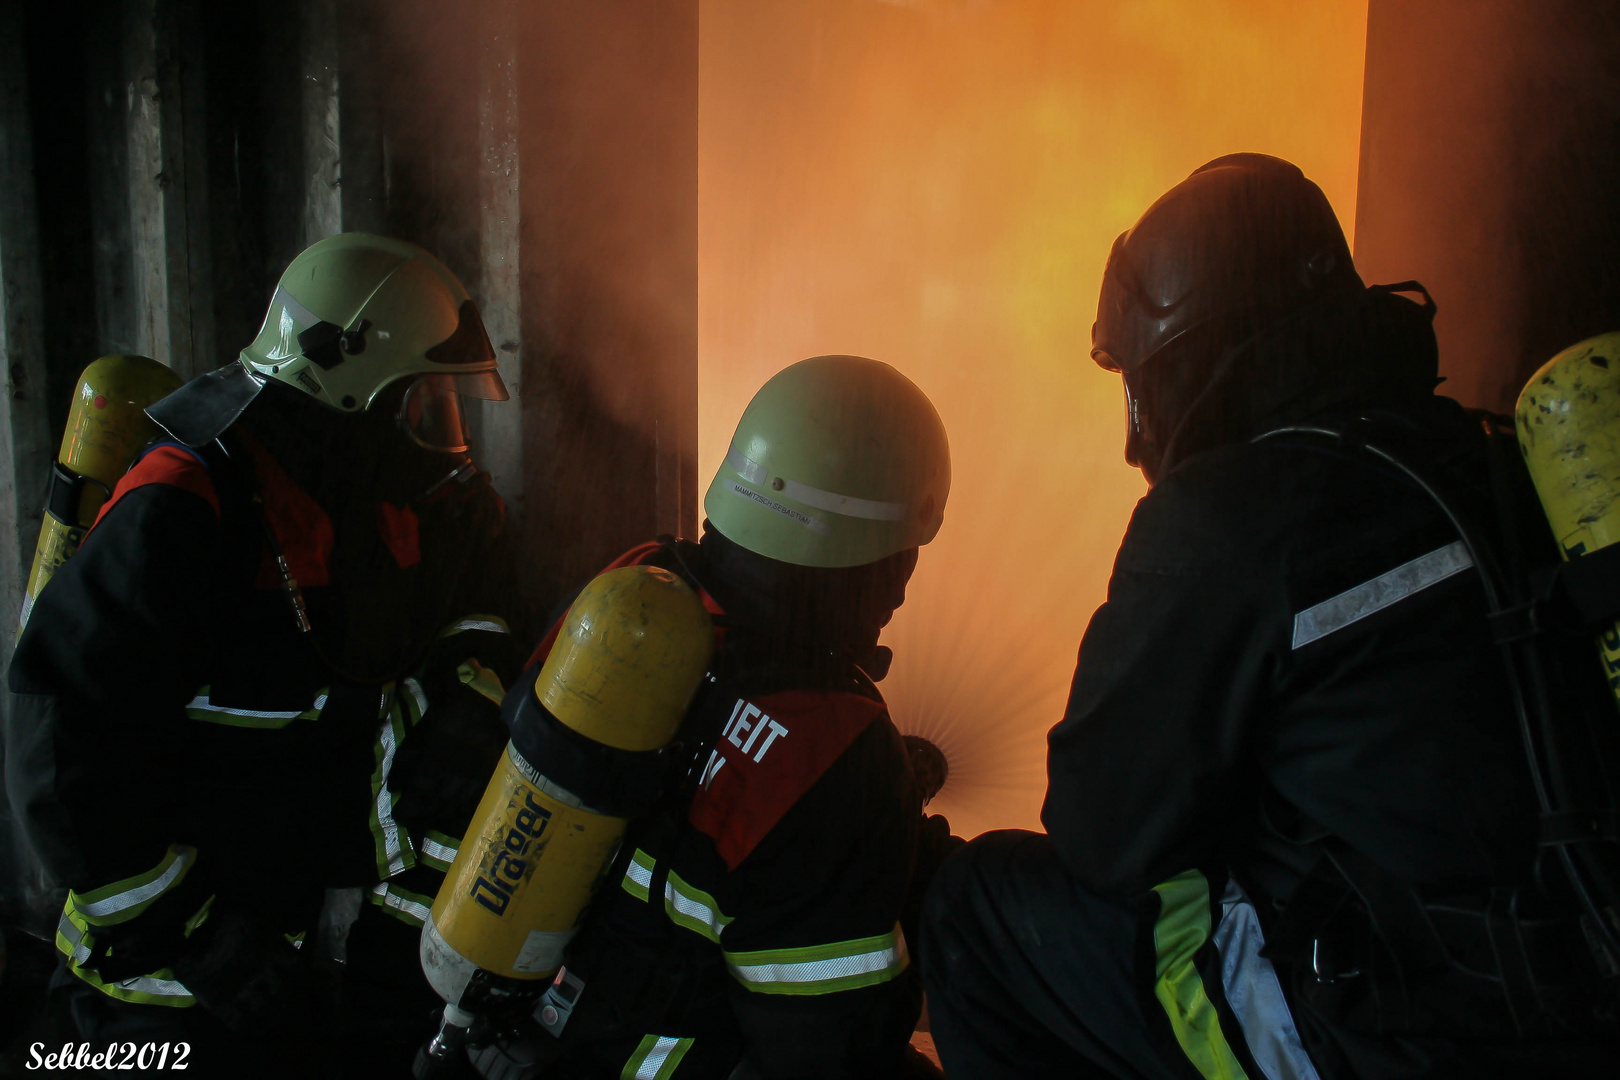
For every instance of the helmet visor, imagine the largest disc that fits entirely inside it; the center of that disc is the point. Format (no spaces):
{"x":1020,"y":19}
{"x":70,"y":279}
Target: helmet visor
{"x":431,"y":415}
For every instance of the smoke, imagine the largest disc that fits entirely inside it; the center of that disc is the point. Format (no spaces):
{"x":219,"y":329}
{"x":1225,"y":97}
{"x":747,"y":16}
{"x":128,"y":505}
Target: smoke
{"x":936,"y":184}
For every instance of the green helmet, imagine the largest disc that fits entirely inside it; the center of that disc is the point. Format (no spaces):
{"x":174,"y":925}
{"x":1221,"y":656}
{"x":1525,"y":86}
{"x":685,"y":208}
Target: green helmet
{"x":837,"y":461}
{"x":352,"y":314}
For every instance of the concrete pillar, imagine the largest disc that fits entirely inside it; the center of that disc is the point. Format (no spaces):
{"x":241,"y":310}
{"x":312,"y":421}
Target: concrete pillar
{"x":168,"y":191}
{"x":1488,"y":158}
{"x":25,"y":444}
{"x":323,"y":159}
{"x":500,"y":426}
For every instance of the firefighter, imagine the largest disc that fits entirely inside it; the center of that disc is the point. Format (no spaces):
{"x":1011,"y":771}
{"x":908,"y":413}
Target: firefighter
{"x":754,"y":913}
{"x":1290,"y":824}
{"x":292,"y":587}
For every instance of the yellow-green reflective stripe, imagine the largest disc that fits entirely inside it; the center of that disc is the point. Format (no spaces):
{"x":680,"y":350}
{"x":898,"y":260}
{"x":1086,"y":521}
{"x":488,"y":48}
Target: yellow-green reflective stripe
{"x":202,"y":708}
{"x":393,"y":843}
{"x":1179,"y":932}
{"x":822,"y":969}
{"x":123,"y":900}
{"x":417,"y":698}
{"x":693,"y":908}
{"x":158,"y":988}
{"x":481,"y":680}
{"x":638,"y":876}
{"x":403,"y":904}
{"x":656,"y":1058}
{"x":70,"y":938}
{"x":438,"y":850}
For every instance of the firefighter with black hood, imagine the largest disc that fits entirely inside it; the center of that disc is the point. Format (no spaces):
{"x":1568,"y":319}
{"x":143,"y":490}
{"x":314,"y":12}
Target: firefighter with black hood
{"x":1290,"y":823}
{"x":751,"y":920}
{"x":291,"y":588}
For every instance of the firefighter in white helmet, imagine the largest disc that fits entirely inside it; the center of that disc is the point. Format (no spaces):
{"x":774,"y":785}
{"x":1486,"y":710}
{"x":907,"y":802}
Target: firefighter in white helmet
{"x":753,"y":913}
{"x":289,"y":592}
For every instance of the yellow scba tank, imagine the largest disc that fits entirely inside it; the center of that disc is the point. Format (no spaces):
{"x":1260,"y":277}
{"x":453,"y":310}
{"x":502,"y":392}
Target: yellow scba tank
{"x":587,"y":754}
{"x":106,"y":428}
{"x":1568,"y":420}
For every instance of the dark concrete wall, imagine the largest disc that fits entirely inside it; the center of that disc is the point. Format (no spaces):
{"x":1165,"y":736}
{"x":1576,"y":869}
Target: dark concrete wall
{"x":1490,"y":171}
{"x":162,"y":160}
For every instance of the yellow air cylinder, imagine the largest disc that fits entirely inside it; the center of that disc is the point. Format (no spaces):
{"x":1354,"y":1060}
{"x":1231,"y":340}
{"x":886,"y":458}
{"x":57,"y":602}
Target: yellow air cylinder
{"x":583,"y":759}
{"x":1568,"y":421}
{"x":106,"y":428}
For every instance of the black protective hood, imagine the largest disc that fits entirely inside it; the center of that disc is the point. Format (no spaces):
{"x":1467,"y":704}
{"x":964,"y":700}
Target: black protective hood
{"x":1346,"y":350}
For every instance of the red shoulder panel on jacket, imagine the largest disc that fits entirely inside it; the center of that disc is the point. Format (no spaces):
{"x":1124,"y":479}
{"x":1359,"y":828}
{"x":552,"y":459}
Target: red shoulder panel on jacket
{"x":771,"y":751}
{"x":167,"y":463}
{"x":636,"y":556}
{"x":302,"y":528}
{"x":401,"y":531}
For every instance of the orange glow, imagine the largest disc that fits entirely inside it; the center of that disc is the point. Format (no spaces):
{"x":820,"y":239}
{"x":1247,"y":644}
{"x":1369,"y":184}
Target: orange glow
{"x":936,"y":183}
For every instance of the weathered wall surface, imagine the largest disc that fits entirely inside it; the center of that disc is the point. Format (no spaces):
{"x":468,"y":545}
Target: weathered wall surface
{"x":162,"y":160}
{"x":1489,"y":150}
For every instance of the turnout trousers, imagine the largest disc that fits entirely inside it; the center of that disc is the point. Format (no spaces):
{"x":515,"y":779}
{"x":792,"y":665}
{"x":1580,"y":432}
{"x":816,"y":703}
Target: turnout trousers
{"x":1028,"y":974}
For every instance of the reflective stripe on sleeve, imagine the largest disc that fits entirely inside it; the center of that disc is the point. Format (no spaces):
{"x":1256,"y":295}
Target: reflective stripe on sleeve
{"x":418,"y":699}
{"x":1255,"y":994}
{"x":158,"y":988}
{"x":638,"y":876}
{"x":123,"y":900}
{"x":488,"y":624}
{"x":393,"y":843}
{"x":822,"y":969}
{"x":1181,"y":929}
{"x":203,"y":708}
{"x":693,"y":908}
{"x":438,"y":850}
{"x":70,"y":940}
{"x":656,"y":1058}
{"x":154,"y":985}
{"x":404,"y":905}
{"x":481,"y":680}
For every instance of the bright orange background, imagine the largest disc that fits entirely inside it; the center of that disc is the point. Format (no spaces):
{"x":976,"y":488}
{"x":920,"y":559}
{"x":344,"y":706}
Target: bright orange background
{"x":936,"y":183}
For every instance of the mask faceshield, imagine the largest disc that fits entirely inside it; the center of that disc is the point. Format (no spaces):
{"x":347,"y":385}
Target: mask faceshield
{"x":431,"y":415}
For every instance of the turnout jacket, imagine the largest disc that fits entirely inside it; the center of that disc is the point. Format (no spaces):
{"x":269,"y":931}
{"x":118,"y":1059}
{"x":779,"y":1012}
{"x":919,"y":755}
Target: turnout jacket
{"x":178,"y":749}
{"x":757,"y":910}
{"x":1293,"y":652}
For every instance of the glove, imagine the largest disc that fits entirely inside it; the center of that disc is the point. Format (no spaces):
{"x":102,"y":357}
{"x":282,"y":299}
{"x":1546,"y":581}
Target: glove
{"x":443,"y":766}
{"x":246,"y":975}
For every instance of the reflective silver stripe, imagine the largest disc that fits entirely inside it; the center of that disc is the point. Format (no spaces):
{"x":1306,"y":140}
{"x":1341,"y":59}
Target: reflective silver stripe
{"x":75,"y":939}
{"x":413,"y":908}
{"x":385,"y":803}
{"x":417,"y":696}
{"x":489,"y":626}
{"x":1373,"y":596}
{"x":1255,"y":994}
{"x":202,"y":704}
{"x":848,"y":505}
{"x":433,"y":849}
{"x":641,"y":875}
{"x":653,"y":1058}
{"x":149,"y":984}
{"x":304,"y":317}
{"x":816,"y":971}
{"x":139,"y":894}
